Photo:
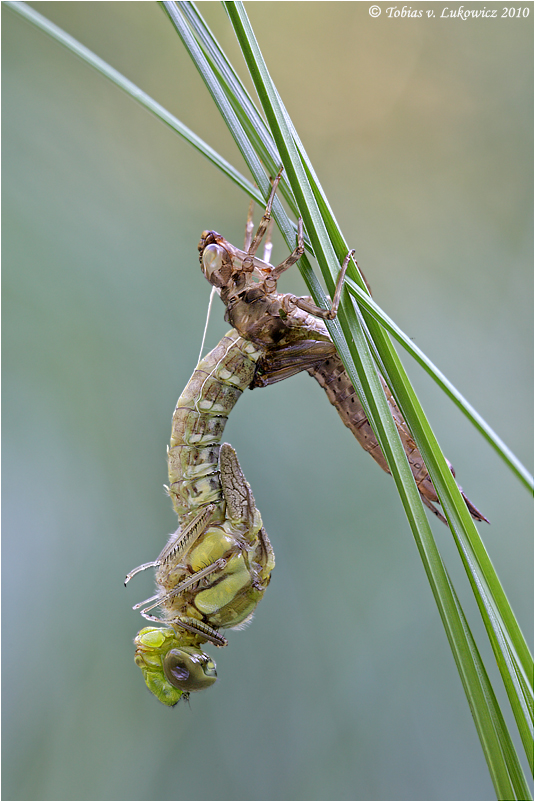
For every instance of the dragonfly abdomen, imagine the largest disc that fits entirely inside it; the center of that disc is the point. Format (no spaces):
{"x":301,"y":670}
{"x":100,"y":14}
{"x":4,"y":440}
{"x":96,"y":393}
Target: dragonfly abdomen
{"x":199,"y":420}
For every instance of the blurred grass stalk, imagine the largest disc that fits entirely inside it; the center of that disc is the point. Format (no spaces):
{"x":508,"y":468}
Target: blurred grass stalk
{"x":360,"y":334}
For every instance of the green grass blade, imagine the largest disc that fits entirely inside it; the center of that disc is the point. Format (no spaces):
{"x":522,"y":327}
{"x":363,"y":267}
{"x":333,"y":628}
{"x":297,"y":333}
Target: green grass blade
{"x":510,"y":756}
{"x":502,"y":627}
{"x":327,"y":258}
{"x":219,"y":96}
{"x":497,"y":615}
{"x":510,"y":648}
{"x":252,"y":121}
{"x":502,"y":760}
{"x":123,"y":83}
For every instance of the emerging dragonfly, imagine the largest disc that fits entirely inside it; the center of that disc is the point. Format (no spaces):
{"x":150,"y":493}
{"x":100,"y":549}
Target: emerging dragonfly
{"x":216,"y":566}
{"x":290,"y":334}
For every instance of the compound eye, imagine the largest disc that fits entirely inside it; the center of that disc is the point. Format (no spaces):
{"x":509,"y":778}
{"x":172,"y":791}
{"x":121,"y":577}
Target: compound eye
{"x":189,"y":670}
{"x":212,"y":260}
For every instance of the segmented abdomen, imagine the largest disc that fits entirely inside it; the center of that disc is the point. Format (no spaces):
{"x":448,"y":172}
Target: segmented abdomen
{"x":199,"y":420}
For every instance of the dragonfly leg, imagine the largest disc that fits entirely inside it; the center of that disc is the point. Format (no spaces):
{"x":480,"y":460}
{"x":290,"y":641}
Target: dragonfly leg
{"x":218,"y":565}
{"x":200,"y":628}
{"x":293,"y":257}
{"x":249,"y":225}
{"x":154,"y":618}
{"x":205,"y":631}
{"x":178,"y":543}
{"x":430,"y":506}
{"x":309,"y":306}
{"x":153,"y":564}
{"x":183,"y":538}
{"x":247,"y":265}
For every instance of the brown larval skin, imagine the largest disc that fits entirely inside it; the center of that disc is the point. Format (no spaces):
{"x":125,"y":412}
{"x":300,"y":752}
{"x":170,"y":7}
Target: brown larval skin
{"x":292,"y":339}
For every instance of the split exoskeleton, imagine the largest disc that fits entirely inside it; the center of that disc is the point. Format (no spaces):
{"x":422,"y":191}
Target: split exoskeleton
{"x":291,"y":334}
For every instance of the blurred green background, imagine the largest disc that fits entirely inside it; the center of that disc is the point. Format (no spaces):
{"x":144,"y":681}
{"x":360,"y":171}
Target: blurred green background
{"x":344,"y":686}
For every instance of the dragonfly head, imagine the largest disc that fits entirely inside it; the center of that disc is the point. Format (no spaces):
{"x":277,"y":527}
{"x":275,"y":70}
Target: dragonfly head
{"x":170,"y":668}
{"x":227,"y":268}
{"x":216,"y":261}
